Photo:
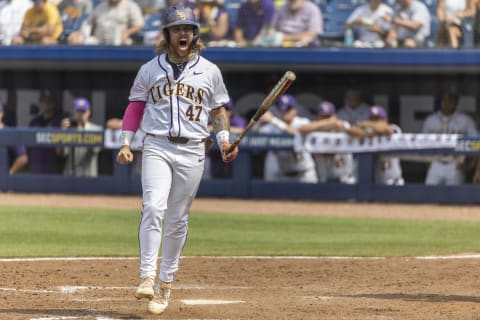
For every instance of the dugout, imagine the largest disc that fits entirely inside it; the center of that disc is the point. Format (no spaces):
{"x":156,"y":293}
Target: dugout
{"x":407,"y":82}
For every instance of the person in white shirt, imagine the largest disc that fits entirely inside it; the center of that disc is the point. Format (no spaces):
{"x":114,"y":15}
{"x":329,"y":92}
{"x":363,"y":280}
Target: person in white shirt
{"x":11,"y":18}
{"x":450,"y":14}
{"x":339,"y":167}
{"x":410,"y":25}
{"x":368,"y":21}
{"x":287,"y":165}
{"x":388,"y":170}
{"x":447,"y":170}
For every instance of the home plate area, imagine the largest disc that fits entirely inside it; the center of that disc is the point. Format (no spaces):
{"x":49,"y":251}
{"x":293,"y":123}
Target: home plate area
{"x":246,"y":288}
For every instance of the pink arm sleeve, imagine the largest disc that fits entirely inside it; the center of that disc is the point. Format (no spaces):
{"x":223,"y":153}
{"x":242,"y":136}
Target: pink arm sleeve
{"x":133,"y":116}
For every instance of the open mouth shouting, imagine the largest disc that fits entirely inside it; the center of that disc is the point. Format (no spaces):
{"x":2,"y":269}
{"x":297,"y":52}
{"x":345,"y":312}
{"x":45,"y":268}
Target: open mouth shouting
{"x":183,"y":43}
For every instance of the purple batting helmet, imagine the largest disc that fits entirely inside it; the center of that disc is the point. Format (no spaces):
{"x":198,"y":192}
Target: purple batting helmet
{"x":176,"y":16}
{"x":378,"y":112}
{"x":326,"y":108}
{"x":286,"y":102}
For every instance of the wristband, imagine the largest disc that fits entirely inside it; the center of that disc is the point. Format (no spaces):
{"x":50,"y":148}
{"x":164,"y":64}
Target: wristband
{"x":223,"y":136}
{"x":279,"y":123}
{"x":126,"y":138}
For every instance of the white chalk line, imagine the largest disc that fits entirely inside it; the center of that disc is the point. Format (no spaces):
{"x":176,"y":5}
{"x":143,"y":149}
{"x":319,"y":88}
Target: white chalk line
{"x":78,"y":289}
{"x":205,"y":302}
{"x":444,"y":257}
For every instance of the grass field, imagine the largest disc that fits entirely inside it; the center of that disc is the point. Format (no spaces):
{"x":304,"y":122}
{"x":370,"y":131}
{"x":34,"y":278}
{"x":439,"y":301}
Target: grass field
{"x":26,"y":231}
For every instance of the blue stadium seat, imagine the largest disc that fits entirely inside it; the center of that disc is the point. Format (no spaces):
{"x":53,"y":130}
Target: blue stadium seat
{"x":232,"y":7}
{"x":153,"y":22}
{"x":343,"y":6}
{"x":431,"y":41}
{"x":431,"y":5}
{"x":322,"y":4}
{"x":334,"y":25}
{"x":468,"y":25}
{"x":70,"y":25}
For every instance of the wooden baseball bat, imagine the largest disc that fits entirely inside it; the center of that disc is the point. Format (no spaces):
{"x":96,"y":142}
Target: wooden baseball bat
{"x":280,"y":87}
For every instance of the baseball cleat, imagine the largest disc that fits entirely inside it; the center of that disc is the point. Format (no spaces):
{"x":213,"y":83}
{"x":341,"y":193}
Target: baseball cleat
{"x":145,"y":288}
{"x":160,"y":301}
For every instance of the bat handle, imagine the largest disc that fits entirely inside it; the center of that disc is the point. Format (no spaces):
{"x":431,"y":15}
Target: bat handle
{"x":234,"y":144}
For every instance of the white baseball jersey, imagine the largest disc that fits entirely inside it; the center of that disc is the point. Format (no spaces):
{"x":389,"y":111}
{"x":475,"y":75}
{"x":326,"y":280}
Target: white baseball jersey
{"x":288,"y":163}
{"x":388,"y":169}
{"x":457,"y":123}
{"x":445,"y":169}
{"x":181,"y":107}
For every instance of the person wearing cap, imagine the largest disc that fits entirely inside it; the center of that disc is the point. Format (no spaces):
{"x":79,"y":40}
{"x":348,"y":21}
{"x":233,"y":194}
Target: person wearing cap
{"x":387,"y":169}
{"x":17,"y":155}
{"x":112,"y":22}
{"x":448,"y":169}
{"x":42,"y":24}
{"x":45,"y":160}
{"x":80,"y":161}
{"x":331,"y":167}
{"x":287,"y":165}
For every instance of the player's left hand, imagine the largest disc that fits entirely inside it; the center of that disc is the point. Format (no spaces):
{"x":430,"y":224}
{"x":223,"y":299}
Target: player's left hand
{"x":227,"y":158}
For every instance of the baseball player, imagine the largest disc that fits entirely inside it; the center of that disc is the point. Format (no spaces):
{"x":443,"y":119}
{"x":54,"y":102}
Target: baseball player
{"x":331,"y":167}
{"x":172,"y":97}
{"x":447,"y":169}
{"x":287,"y":165}
{"x":387,"y":169}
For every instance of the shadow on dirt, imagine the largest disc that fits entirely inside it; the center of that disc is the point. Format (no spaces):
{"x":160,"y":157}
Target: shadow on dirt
{"x":425,"y":297}
{"x":70,"y":313}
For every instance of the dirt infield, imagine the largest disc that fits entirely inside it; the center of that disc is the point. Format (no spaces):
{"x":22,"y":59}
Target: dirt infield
{"x":258,"y":289}
{"x":249,"y":288}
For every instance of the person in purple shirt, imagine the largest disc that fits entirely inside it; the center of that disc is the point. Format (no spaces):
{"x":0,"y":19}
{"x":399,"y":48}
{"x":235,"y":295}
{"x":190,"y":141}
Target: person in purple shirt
{"x":254,"y":18}
{"x":299,"y":23}
{"x":17,"y":155}
{"x":45,"y":160}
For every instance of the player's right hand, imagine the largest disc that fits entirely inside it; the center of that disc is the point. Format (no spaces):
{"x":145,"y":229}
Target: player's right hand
{"x":125,"y":155}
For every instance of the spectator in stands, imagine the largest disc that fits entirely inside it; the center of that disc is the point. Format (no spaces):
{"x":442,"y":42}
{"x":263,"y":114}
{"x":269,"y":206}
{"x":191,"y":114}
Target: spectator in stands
{"x":299,"y":23}
{"x":218,"y":168}
{"x":213,"y":20}
{"x":75,"y":8}
{"x":17,"y":155}
{"x":355,"y":109}
{"x":112,"y":22}
{"x":80,"y":161}
{"x":368,"y":21}
{"x":387,"y":169}
{"x":331,"y":167}
{"x":42,"y":24}
{"x":151,"y":6}
{"x":450,"y":14}
{"x":448,"y":170}
{"x":410,"y":25}
{"x":11,"y":18}
{"x":254,"y":22}
{"x":45,"y":160}
{"x":287,"y":165}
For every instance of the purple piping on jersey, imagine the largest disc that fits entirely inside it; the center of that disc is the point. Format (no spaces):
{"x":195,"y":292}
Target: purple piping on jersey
{"x":171,"y":108}
{"x":195,"y":63}
{"x":178,"y":116}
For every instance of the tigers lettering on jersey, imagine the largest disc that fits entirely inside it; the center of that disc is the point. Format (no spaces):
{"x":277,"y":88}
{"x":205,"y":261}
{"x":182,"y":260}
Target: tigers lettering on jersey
{"x":179,"y":89}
